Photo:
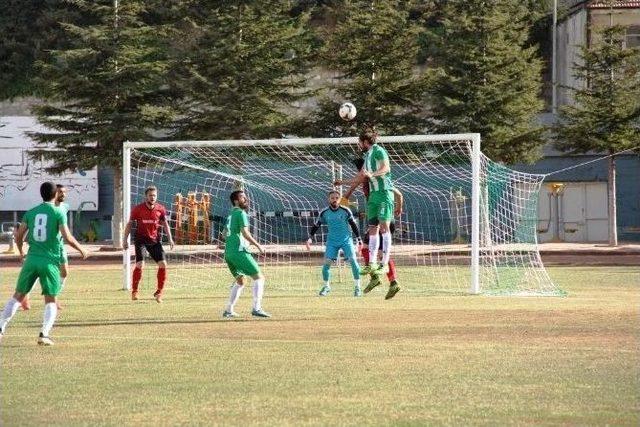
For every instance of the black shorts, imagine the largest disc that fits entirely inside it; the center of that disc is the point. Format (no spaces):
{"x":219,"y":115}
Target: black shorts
{"x":156,"y":252}
{"x":365,"y":238}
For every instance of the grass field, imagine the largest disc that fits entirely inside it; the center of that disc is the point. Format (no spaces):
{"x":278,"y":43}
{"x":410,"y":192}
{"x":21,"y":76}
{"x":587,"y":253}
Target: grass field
{"x":414,"y":360}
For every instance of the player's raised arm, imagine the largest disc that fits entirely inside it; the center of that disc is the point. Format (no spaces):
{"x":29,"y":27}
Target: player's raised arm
{"x":64,"y":230}
{"x":355,"y":182}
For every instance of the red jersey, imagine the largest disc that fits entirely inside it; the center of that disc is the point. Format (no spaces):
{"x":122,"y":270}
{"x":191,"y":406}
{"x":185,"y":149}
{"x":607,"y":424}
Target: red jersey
{"x":148,"y":222}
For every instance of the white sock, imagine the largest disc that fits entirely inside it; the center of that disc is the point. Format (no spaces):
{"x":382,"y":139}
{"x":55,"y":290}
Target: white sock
{"x":386,"y":248}
{"x":326,"y":283}
{"x":374,"y":244}
{"x":258,"y":291}
{"x":356,"y":283}
{"x":236,"y":290}
{"x":50,"y":313}
{"x":9,"y":310}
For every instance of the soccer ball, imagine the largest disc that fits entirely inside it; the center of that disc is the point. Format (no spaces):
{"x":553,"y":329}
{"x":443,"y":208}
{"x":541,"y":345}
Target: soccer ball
{"x":347,"y":111}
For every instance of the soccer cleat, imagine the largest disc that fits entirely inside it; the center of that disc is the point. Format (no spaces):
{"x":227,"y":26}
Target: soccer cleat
{"x":393,"y":290}
{"x":375,"y":281}
{"x":357,"y":292}
{"x":25,"y":303}
{"x":42,"y":340}
{"x":369,"y":269}
{"x":158,"y":296}
{"x":134,"y":296}
{"x":229,"y":314}
{"x":260,"y":313}
{"x":325,"y":290}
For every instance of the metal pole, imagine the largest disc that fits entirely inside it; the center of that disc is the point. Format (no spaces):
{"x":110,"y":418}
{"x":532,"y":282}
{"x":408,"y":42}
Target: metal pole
{"x":475,"y":215}
{"x":126,"y":208}
{"x":554,"y":72}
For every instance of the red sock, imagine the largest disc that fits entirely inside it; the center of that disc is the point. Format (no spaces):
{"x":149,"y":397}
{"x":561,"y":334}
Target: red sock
{"x":391,"y":275}
{"x":137,"y":275}
{"x":162,"y":277}
{"x":365,"y":255}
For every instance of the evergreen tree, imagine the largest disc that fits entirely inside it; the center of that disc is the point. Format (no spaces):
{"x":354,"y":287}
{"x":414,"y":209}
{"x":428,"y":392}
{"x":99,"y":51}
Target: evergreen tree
{"x":241,"y":68}
{"x":485,"y":78}
{"x":373,"y":48}
{"x":605,"y":116}
{"x":108,"y":86}
{"x":29,"y":29}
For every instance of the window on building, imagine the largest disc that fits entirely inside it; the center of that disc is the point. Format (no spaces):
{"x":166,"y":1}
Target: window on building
{"x":632,"y":38}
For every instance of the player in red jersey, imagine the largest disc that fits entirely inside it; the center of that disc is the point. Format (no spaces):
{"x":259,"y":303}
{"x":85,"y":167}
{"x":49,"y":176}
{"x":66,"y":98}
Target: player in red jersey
{"x":149,"y":216}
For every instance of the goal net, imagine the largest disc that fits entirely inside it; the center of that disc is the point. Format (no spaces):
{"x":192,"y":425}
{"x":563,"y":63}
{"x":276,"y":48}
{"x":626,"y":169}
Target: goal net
{"x":468,"y":224}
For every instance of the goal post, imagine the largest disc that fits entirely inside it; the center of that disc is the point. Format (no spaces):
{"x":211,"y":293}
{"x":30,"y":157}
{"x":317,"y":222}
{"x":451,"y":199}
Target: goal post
{"x":468,"y":226}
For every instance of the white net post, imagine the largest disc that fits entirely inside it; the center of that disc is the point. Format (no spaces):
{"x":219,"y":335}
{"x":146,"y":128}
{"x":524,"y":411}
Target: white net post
{"x":126,"y":210}
{"x":475,"y":214}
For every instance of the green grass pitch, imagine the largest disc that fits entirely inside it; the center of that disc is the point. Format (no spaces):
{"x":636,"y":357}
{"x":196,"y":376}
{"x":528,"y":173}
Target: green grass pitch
{"x":417,"y":359}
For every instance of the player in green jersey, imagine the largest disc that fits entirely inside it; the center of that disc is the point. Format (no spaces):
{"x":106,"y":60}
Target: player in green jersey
{"x":61,"y":194}
{"x":43,"y":223}
{"x":380,"y":203}
{"x":238,"y":258}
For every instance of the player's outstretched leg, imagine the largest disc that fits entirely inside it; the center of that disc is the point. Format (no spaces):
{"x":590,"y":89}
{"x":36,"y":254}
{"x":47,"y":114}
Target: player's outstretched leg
{"x":355,"y":270}
{"x":236,"y":291}
{"x":10,"y":309}
{"x":326,"y":278}
{"x":49,"y":318}
{"x":137,"y":276}
{"x":258,"y":291}
{"x":161,"y":279}
{"x":372,"y":267}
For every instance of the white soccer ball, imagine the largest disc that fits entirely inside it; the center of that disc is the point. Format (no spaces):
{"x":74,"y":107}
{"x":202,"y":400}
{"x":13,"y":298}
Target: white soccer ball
{"x":347,"y":111}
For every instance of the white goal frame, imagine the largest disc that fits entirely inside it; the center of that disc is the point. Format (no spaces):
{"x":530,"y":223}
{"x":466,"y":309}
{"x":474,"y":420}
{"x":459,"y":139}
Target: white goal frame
{"x":474,"y":138}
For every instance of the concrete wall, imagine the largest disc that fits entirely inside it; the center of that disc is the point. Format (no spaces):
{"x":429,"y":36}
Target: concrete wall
{"x":571,"y":36}
{"x":628,"y":184}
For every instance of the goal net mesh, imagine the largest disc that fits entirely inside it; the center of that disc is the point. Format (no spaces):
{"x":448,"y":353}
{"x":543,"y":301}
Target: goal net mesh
{"x":287,"y":182}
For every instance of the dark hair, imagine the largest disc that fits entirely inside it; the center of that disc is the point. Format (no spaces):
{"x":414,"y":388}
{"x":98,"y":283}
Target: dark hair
{"x":333,"y":191}
{"x":368,"y":134}
{"x":48,"y":191}
{"x":235,"y":196}
{"x":150,"y":188}
{"x":358,"y":163}
{"x":59,"y":186}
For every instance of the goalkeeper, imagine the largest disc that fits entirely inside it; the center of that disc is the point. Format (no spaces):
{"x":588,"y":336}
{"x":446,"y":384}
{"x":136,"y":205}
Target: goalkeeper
{"x":340,"y":222}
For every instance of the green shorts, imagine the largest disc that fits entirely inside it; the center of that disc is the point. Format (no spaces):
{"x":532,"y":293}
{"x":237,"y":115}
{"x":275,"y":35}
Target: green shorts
{"x":380,"y":207}
{"x":242,"y":264}
{"x":46,"y":270}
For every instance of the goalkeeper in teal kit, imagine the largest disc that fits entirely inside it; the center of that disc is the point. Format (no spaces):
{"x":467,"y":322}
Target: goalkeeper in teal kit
{"x":340,"y":223}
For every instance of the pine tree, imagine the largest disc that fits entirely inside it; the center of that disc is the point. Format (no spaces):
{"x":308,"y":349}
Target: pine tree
{"x":485,"y":78}
{"x":242,"y":67}
{"x":605,"y":116}
{"x":28,"y":29}
{"x":373,"y":48}
{"x":108,"y":86}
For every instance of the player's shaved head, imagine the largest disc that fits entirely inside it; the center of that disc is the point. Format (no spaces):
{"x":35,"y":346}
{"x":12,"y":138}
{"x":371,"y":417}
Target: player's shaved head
{"x":48,"y":191}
